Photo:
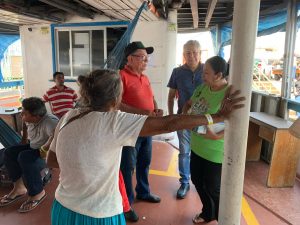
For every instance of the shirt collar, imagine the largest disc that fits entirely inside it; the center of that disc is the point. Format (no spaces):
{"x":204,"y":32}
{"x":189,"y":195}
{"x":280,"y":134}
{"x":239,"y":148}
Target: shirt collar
{"x":128,"y":70}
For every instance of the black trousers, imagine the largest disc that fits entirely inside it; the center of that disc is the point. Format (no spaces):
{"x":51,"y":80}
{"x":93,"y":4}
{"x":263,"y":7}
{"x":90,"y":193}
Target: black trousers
{"x":206,"y":176}
{"x":23,"y":161}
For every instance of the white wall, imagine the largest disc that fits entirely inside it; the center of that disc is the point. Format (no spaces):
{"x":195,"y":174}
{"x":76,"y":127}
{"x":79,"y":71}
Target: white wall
{"x":162,"y":37}
{"x":37,"y":53}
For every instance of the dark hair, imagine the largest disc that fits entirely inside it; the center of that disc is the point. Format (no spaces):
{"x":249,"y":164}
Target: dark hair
{"x":218,"y":64}
{"x":80,"y":79}
{"x":35,"y":106}
{"x":99,"y":88}
{"x":57,"y":73}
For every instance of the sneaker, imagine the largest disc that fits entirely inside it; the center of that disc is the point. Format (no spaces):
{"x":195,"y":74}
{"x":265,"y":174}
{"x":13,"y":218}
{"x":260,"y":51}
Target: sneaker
{"x":182,"y":191}
{"x":131,"y":216}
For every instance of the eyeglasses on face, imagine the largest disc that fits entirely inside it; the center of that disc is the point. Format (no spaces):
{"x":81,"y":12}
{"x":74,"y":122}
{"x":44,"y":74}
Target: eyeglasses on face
{"x":143,"y":58}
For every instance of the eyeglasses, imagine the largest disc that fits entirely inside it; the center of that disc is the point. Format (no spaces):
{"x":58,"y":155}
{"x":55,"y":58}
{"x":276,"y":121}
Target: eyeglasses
{"x":142,"y":58}
{"x":192,"y":53}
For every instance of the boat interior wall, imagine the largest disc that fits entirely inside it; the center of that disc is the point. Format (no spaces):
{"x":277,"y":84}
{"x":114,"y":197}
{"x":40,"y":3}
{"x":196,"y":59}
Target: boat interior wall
{"x":265,"y":103}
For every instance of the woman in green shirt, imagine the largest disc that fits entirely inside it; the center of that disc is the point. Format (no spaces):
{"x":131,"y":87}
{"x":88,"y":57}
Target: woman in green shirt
{"x":207,"y":142}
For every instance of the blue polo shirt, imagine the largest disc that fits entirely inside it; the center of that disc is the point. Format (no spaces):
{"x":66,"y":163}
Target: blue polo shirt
{"x":185,"y":82}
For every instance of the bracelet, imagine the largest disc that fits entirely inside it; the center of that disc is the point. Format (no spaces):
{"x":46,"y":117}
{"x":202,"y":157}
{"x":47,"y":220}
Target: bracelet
{"x":42,"y":149}
{"x":209,"y":119}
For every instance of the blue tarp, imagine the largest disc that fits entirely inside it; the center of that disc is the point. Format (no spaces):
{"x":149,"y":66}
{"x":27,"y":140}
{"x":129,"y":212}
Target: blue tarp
{"x":270,"y":23}
{"x":5,"y":41}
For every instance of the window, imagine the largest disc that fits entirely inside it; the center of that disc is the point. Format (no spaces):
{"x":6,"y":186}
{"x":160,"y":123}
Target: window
{"x":80,"y":50}
{"x":11,"y":63}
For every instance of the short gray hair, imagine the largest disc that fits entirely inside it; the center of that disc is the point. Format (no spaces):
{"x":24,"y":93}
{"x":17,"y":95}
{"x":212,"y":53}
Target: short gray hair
{"x":99,"y":88}
{"x":192,"y":43}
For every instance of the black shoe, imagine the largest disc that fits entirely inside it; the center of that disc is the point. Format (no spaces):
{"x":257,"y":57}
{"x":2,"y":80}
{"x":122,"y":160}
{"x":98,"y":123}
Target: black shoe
{"x":149,"y":198}
{"x":131,"y":215}
{"x":182,"y":191}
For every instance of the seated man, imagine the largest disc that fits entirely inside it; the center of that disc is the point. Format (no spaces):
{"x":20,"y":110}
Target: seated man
{"x":60,"y":97}
{"x":24,"y":162}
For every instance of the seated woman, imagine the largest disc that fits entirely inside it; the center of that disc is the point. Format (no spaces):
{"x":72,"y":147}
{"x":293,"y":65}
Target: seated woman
{"x":88,"y":142}
{"x":24,"y":162}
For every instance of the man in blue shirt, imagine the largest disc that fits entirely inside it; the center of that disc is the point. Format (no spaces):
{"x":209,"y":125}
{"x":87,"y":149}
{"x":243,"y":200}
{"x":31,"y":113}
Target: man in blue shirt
{"x":182,"y":83}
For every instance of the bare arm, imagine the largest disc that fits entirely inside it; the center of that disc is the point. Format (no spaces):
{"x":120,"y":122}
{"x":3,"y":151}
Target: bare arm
{"x":46,"y":146}
{"x":166,"y":124}
{"x":158,"y":125}
{"x":155,"y":103}
{"x":51,"y":160}
{"x":157,"y":111}
{"x":213,"y":136}
{"x":171,"y":97}
{"x":186,"y":107}
{"x":24,"y":139}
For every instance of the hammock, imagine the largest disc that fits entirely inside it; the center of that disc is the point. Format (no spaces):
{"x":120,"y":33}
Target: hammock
{"x":116,"y":57}
{"x":8,"y":136}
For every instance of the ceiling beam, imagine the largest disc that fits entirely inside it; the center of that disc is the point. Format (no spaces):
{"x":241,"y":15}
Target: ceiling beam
{"x":69,"y":7}
{"x":210,"y":11}
{"x":33,"y":15}
{"x":195,"y":15}
{"x":10,"y":6}
{"x":273,"y":9}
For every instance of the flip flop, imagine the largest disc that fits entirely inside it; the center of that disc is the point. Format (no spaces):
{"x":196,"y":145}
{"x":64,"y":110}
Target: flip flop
{"x":8,"y":200}
{"x":32,"y":203}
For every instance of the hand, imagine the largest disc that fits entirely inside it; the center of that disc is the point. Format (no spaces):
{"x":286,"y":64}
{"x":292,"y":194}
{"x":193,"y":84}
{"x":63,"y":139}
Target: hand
{"x":209,"y":134}
{"x":152,"y":114}
{"x":230,"y":102}
{"x":159,"y":112}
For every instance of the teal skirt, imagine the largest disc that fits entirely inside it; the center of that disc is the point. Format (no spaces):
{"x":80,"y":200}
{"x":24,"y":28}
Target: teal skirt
{"x":60,"y":215}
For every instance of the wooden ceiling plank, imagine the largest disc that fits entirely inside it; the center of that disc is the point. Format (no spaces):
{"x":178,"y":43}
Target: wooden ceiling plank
{"x":136,"y":4}
{"x":195,"y":15}
{"x":118,"y":8}
{"x":98,"y":4}
{"x":210,"y":11}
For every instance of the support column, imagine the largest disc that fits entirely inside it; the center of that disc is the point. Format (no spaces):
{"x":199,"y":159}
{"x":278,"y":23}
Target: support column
{"x":245,"y":19}
{"x":218,"y":40}
{"x":289,"y":48}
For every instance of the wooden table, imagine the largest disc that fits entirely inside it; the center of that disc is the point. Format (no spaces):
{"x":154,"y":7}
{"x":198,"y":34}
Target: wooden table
{"x":286,"y":148}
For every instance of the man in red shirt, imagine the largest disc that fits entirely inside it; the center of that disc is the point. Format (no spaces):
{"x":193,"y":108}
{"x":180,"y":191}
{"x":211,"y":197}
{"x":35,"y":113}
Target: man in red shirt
{"x":138,"y":98}
{"x":60,"y":97}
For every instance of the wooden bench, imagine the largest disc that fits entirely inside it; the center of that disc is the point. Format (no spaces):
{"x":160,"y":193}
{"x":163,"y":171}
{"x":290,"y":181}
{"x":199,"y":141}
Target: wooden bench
{"x":285,"y":152}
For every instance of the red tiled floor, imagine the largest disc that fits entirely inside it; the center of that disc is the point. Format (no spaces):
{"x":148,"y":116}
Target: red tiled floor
{"x":277,"y":202}
{"x":283,"y":202}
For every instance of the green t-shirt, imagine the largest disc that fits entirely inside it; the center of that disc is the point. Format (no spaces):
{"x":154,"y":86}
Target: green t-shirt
{"x":206,"y":101}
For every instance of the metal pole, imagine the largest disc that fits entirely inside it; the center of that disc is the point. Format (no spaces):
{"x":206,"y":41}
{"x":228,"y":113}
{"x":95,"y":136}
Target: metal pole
{"x":289,"y":48}
{"x":245,"y":19}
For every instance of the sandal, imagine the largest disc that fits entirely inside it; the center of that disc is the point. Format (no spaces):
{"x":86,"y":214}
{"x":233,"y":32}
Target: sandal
{"x":198,"y":219}
{"x":6,"y":200}
{"x":29,"y":205}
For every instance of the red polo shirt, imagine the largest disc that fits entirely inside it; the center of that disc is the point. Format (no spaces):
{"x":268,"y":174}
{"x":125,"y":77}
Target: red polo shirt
{"x":137,"y":91}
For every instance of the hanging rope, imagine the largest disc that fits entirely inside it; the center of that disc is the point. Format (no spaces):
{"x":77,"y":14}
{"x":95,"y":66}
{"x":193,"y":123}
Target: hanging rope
{"x":116,"y":56}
